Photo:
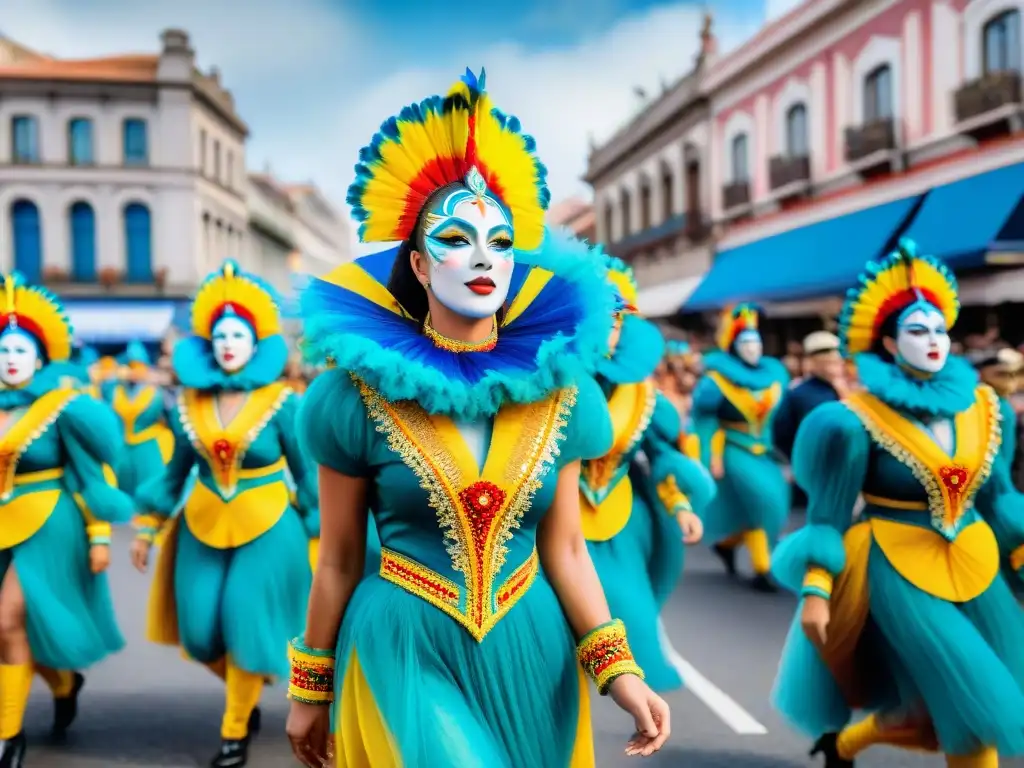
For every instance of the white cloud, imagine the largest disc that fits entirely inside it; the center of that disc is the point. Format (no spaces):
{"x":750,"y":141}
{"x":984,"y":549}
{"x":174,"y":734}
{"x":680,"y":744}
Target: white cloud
{"x":774,"y":9}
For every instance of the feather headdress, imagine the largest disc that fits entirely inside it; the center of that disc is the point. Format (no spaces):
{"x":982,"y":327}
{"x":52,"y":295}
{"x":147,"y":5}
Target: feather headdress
{"x":36,"y":311}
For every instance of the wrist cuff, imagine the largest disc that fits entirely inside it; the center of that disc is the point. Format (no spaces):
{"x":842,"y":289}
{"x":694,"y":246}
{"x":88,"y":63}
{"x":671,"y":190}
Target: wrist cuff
{"x":819,"y":580}
{"x":604,"y":655}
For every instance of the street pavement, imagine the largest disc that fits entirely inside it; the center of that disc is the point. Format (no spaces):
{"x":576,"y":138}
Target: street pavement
{"x":148,"y":708}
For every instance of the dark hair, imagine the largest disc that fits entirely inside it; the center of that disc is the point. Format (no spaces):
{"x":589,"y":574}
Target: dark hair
{"x":888,"y":330}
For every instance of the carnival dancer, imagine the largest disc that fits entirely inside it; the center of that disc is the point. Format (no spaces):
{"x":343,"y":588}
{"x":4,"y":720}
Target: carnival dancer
{"x":140,"y":405}
{"x":637,"y":519}
{"x":233,"y":573}
{"x":905,"y":613}
{"x":733,"y":407}
{"x":57,"y":504}
{"x":459,"y":410}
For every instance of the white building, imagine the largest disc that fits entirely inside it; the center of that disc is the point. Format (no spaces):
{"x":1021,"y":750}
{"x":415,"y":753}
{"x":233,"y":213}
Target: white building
{"x":323,"y":233}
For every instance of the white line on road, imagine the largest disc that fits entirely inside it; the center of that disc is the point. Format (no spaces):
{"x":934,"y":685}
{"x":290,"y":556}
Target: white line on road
{"x":713,"y":697}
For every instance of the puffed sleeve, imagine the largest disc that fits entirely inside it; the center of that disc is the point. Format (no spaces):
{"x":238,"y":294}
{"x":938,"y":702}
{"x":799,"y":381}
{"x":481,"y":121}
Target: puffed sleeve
{"x":300,"y":466}
{"x":333,"y":427}
{"x":681,"y":483}
{"x":830,"y":459}
{"x":159,"y":496}
{"x":588,"y":431}
{"x":1008,"y":419}
{"x":92,"y":441}
{"x":707,"y":399}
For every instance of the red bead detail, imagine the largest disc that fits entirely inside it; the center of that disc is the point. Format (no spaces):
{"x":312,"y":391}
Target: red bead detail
{"x":421,"y":582}
{"x":482,"y":502}
{"x":223,"y":450}
{"x":955,"y":479}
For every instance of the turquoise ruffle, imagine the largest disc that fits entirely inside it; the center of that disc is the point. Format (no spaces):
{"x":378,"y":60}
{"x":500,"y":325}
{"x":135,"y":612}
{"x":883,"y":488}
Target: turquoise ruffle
{"x":944,"y":394}
{"x":196,"y":367}
{"x":768,"y":371}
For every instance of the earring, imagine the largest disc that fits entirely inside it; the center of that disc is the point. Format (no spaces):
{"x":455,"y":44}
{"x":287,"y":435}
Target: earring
{"x":426,"y":285}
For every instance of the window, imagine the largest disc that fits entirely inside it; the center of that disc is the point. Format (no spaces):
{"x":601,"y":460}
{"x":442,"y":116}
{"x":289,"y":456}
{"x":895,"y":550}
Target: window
{"x":231,"y":171}
{"x":136,"y":142}
{"x":202,"y":152}
{"x":216,"y":160}
{"x":609,"y":222}
{"x":667,"y":194}
{"x":796,"y":131}
{"x":24,"y":139}
{"x":80,"y":141}
{"x":138,"y":242}
{"x":645,"y":205}
{"x":740,"y":159}
{"x":693,"y":191}
{"x":627,"y":214}
{"x":83,"y":242}
{"x":27,"y":237}
{"x":878,"y":94}
{"x":1001,"y":43}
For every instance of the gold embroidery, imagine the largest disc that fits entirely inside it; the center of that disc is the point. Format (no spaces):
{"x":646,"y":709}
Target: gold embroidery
{"x":755,"y":407}
{"x":130,"y":408}
{"x":631,"y":407}
{"x":224,"y":447}
{"x":950,"y":482}
{"x":32,"y":424}
{"x":477,"y":510}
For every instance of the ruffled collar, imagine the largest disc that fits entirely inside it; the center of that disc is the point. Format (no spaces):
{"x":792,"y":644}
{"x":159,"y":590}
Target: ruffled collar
{"x":555,"y":329}
{"x":196,"y":367}
{"x":768,"y":370}
{"x":640,"y":349}
{"x":945,"y":394}
{"x":45,"y":380}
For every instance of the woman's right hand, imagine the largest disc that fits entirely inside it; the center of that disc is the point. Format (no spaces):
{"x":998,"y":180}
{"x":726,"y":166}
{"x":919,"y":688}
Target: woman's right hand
{"x":140,"y":553}
{"x":814,"y":618}
{"x":309,"y":732}
{"x":717,"y":468}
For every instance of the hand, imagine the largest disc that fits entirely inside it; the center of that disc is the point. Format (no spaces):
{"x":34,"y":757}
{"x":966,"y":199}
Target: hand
{"x":814,"y":618}
{"x":140,"y":553}
{"x":99,"y":558}
{"x":649,"y":711}
{"x":693,"y":528}
{"x":309,"y":731}
{"x":717,"y":469}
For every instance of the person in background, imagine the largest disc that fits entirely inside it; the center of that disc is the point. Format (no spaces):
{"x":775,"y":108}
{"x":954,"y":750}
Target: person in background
{"x":293,"y":375}
{"x":793,"y":360}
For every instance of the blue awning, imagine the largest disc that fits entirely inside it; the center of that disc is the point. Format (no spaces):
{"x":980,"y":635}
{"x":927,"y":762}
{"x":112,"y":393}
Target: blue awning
{"x":962,"y":222}
{"x":815,"y":260}
{"x":113,"y":321}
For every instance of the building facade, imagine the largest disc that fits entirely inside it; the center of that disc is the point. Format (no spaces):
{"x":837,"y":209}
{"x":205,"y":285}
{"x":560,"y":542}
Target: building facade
{"x":323,"y":239}
{"x":577,"y":216}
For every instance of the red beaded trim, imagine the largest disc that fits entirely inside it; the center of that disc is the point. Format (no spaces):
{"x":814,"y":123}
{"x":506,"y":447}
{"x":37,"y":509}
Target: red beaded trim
{"x":605,"y":655}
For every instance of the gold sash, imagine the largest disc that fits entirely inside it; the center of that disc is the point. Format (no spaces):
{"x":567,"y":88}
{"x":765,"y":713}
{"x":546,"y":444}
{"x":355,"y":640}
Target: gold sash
{"x":755,"y":407}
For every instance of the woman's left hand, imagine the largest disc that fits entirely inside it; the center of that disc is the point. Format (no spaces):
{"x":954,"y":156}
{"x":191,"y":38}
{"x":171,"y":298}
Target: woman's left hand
{"x":693,"y":528}
{"x":99,"y":558}
{"x":649,"y":711}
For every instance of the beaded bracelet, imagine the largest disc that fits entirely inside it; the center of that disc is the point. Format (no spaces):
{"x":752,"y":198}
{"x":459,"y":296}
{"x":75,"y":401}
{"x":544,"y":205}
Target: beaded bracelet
{"x":312,"y":674}
{"x":604,"y":654}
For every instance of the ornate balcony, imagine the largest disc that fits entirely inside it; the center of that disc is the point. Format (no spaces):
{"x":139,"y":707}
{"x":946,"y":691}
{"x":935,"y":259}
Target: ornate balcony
{"x":987,"y":94}
{"x":736,"y":195}
{"x":784,"y":171}
{"x":871,"y":138}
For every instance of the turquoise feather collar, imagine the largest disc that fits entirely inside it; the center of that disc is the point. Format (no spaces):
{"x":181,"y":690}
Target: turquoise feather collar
{"x":45,"y":380}
{"x":945,"y":394}
{"x":768,"y":371}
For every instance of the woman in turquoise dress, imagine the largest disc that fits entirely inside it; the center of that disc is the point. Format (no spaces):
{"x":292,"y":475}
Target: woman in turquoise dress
{"x":733,"y":406}
{"x":233,"y":574}
{"x":904,"y":611}
{"x":637,"y":515}
{"x":57,"y":505}
{"x":458,"y":411}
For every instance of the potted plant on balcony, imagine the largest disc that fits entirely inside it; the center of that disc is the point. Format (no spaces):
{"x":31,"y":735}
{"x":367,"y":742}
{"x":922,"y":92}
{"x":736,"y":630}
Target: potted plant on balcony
{"x":53,"y":275}
{"x":109,"y":277}
{"x":160,"y":278}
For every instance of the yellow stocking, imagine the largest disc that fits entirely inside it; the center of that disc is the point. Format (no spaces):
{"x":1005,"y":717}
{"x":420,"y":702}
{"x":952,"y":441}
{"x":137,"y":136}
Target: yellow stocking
{"x":986,"y":758}
{"x":857,"y":737}
{"x":15,"y":685}
{"x":760,"y":555}
{"x":61,"y":682}
{"x":243,"y":694}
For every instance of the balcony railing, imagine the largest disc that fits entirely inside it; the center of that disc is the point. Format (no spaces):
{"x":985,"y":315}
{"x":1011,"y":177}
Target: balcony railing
{"x":785,"y":170}
{"x":650,"y":236}
{"x":735,"y":195}
{"x":865,"y":140}
{"x":987,"y":94}
{"x":697,"y":226}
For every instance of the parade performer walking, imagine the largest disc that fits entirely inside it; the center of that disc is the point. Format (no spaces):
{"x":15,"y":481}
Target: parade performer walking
{"x":636,"y":519}
{"x":458,"y":411}
{"x":904,"y":610}
{"x":733,"y":407}
{"x":56,"y":503}
{"x":231,"y":581}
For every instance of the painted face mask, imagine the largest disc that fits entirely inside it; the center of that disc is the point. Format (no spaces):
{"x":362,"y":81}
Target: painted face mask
{"x":19,"y":358}
{"x":922,"y":339}
{"x":468,"y":237}
{"x":749,"y":347}
{"x":233,"y":343}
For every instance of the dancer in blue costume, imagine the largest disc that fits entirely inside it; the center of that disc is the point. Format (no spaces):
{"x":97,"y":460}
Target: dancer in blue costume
{"x":458,"y":411}
{"x":56,"y":507}
{"x":140,"y":405}
{"x":904,"y":612}
{"x":733,"y":407}
{"x":233,"y":574}
{"x":637,"y":518}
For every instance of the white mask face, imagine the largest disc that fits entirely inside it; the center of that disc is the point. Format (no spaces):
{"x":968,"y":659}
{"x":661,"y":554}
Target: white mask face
{"x":233,"y":344}
{"x":19,"y":358}
{"x":749,"y":347}
{"x":922,"y":341}
{"x":468,"y":239}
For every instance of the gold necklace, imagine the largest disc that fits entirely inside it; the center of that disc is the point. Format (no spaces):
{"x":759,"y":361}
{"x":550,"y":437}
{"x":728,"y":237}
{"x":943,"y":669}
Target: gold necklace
{"x":454,"y":345}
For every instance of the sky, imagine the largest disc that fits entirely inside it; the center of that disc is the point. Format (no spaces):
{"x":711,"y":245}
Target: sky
{"x":315,"y":78}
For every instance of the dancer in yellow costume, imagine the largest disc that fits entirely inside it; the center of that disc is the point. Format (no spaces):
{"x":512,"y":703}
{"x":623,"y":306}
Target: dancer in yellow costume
{"x":904,"y":610}
{"x":233,"y":573}
{"x":458,"y":411}
{"x":56,"y":447}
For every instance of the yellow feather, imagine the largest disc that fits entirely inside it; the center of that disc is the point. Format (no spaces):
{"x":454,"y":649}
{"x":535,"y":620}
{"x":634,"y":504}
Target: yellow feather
{"x":46,"y":313}
{"x":239,"y":290}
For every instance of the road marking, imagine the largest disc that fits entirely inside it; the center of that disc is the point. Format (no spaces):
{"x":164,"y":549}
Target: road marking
{"x":713,"y":697}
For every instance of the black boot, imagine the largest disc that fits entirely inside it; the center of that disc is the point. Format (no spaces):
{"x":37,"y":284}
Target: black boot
{"x":12,"y":752}
{"x":233,"y":754}
{"x":827,"y":746}
{"x":255,"y":722}
{"x":65,"y":709}
{"x":728,"y":557}
{"x":761,"y":583}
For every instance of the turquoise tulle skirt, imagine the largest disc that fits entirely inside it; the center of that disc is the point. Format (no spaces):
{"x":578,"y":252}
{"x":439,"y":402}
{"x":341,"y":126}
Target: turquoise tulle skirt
{"x":247,"y":602}
{"x":962,"y":664}
{"x":69,"y":611}
{"x":753,"y":495}
{"x":413,"y":680}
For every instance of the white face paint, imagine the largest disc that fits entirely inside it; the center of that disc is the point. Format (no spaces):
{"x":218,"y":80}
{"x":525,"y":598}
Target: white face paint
{"x":468,"y":238}
{"x":922,"y":340}
{"x":19,"y":358}
{"x":233,"y":344}
{"x":749,"y":347}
